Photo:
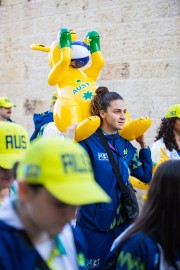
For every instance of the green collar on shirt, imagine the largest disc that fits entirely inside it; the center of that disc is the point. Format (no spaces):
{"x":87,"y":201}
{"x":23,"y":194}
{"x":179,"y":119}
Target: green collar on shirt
{"x":60,"y":246}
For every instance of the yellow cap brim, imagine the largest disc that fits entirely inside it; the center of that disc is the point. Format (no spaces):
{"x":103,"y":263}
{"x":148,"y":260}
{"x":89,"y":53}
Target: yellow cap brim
{"x":9,"y":105}
{"x":7,"y":161}
{"x":78,"y":193}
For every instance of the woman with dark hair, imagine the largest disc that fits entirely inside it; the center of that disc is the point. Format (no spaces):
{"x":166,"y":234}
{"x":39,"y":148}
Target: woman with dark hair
{"x":153,"y":242}
{"x":102,"y":223}
{"x":167,"y":141}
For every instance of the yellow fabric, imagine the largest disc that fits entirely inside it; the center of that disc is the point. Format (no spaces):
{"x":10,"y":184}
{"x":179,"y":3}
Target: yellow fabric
{"x":57,"y":251}
{"x":144,"y":196}
{"x":50,"y":260}
{"x":163,"y":159}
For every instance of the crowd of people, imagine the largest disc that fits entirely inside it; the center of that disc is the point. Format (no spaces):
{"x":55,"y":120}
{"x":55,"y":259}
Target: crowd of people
{"x":61,"y":206}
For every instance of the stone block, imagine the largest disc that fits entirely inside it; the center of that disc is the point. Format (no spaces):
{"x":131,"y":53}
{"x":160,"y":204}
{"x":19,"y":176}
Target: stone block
{"x":168,"y":8}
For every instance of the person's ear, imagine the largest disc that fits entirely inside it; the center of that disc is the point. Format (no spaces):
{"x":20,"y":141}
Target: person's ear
{"x":23,"y":191}
{"x":102,"y":114}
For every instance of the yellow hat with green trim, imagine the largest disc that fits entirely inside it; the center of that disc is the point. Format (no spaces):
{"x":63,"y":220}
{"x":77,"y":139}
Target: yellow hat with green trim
{"x":173,"y":111}
{"x":14,"y":141}
{"x":63,"y":167}
{"x":6,"y":103}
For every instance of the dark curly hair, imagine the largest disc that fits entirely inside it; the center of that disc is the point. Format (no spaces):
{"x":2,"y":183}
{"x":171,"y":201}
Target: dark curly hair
{"x":102,"y":100}
{"x":166,"y":132}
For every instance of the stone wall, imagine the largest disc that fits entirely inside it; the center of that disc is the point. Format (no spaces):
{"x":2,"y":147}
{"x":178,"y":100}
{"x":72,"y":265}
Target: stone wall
{"x":139,"y":41}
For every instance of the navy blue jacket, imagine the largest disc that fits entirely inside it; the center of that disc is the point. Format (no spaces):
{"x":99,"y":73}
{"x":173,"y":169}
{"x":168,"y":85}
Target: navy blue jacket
{"x":17,"y":252}
{"x":142,"y":252}
{"x":103,"y":217}
{"x":40,"y":122}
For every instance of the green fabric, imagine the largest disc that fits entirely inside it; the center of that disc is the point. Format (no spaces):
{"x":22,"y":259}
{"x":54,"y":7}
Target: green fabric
{"x":60,"y":246}
{"x":131,"y":263}
{"x":14,"y":189}
{"x":57,"y":251}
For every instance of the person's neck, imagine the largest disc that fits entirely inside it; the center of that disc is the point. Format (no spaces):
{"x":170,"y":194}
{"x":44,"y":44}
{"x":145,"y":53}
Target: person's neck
{"x":36,"y":235}
{"x":3,"y":119}
{"x":107,"y":130}
{"x":5,"y":192}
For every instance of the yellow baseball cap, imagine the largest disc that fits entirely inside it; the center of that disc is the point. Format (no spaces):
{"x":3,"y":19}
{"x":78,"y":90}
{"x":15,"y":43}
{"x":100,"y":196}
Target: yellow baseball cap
{"x":6,"y":103}
{"x":63,"y":168}
{"x":14,"y":141}
{"x":173,"y":111}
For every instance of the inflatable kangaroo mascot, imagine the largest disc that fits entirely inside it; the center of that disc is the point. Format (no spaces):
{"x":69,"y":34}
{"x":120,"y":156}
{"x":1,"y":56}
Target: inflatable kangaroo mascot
{"x":76,"y":86}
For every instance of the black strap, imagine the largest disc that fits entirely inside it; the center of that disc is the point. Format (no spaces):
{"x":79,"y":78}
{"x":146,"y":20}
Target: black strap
{"x":115,"y":167}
